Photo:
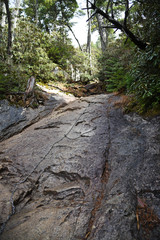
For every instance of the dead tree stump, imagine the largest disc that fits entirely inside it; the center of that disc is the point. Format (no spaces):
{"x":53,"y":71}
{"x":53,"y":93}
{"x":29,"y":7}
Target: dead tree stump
{"x":29,"y":93}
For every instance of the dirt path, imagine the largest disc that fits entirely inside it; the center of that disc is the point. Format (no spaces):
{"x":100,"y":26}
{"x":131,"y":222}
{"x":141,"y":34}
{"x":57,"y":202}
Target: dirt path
{"x":87,"y":171}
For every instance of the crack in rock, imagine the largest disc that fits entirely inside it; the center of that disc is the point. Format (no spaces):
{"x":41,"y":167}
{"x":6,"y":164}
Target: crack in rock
{"x":50,"y":125}
{"x":104,"y":179}
{"x":70,"y":109}
{"x":64,"y":192}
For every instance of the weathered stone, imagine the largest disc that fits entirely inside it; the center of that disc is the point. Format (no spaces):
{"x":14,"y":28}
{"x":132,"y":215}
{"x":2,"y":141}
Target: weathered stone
{"x":14,"y":119}
{"x":87,"y":171}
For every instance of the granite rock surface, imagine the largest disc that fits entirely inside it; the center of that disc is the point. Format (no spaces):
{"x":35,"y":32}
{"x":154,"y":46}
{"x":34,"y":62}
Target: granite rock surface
{"x":14,"y":119}
{"x":87,"y":171}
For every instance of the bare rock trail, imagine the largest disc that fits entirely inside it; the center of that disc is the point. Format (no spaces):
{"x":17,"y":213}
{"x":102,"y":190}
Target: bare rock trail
{"x":86,"y":172}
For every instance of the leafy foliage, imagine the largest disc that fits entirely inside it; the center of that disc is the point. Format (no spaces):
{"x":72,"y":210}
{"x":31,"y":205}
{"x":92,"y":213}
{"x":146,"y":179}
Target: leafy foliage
{"x":137,"y":72}
{"x":51,"y":14}
{"x":48,"y":57}
{"x":114,"y":66}
{"x":146,"y":66}
{"x":146,"y":79}
{"x":12,"y":79}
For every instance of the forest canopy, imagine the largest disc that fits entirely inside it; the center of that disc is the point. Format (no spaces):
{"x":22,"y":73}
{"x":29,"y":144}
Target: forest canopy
{"x":34,"y":41}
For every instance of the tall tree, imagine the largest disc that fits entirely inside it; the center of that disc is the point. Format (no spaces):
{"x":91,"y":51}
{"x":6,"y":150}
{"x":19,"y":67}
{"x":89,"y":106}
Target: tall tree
{"x":2,"y":18}
{"x":3,"y":14}
{"x":110,"y":16}
{"x":15,"y":15}
{"x":9,"y":45}
{"x":88,"y":47}
{"x":103,"y":33}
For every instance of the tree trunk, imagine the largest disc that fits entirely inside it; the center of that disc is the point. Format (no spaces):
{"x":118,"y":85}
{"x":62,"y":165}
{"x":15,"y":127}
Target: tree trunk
{"x":36,"y":12}
{"x":102,"y":33}
{"x":29,"y":93}
{"x":9,"y":27}
{"x":15,"y":16}
{"x":47,"y":29}
{"x":3,"y":18}
{"x":30,"y":85}
{"x":88,"y":47}
{"x":75,"y":37}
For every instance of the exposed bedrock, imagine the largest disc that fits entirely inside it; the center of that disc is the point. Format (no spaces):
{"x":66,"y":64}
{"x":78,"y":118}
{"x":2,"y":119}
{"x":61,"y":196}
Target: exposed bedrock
{"x":87,"y":171}
{"x":14,"y":119}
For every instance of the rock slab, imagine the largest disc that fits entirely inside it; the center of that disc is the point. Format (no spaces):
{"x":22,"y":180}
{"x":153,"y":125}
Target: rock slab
{"x":14,"y":119}
{"x":87,"y":171}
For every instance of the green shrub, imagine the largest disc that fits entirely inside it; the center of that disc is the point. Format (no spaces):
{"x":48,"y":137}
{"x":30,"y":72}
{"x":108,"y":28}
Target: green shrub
{"x":12,"y":79}
{"x":114,"y":66}
{"x":146,"y":79}
{"x":30,"y":52}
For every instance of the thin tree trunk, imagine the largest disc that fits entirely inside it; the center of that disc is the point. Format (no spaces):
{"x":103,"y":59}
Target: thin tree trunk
{"x":15,"y":16}
{"x":47,"y":29}
{"x":102,"y":33}
{"x":9,"y":27}
{"x":88,"y":48}
{"x":36,"y":12}
{"x":3,"y":18}
{"x":75,"y":37}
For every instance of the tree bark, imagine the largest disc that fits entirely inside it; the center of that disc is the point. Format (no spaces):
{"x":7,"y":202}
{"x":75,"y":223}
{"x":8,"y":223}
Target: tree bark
{"x":102,"y":33}
{"x":3,"y":18}
{"x":15,"y":16}
{"x":29,"y":93}
{"x":30,"y":85}
{"x":9,"y":27}
{"x":88,"y":47}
